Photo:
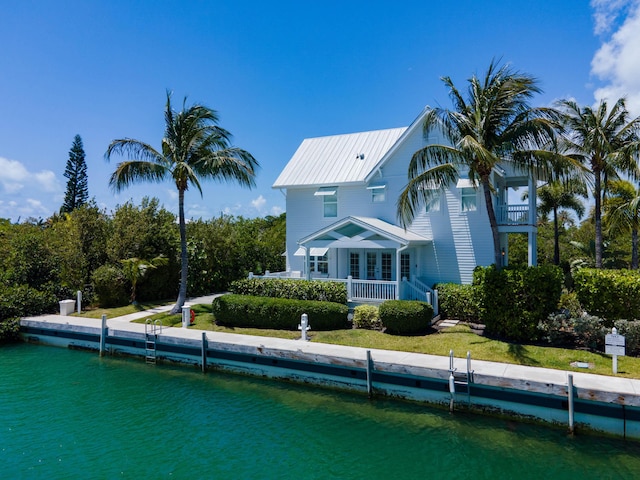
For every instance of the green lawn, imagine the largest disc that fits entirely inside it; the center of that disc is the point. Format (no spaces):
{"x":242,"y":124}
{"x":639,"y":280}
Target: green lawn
{"x":460,"y":339}
{"x":120,"y":311}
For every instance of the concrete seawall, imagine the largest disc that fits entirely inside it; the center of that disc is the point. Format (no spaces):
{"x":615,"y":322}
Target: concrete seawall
{"x":595,"y":402}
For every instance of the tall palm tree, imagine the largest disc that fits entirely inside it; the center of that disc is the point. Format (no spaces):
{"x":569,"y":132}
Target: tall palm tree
{"x":494,"y":124}
{"x":607,"y":143}
{"x":194,"y":148}
{"x":559,"y":195}
{"x":622,"y":213}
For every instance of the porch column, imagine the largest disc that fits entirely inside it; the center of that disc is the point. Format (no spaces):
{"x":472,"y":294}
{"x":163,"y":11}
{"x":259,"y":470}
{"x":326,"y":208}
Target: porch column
{"x":307,"y":264}
{"x":398,"y":273}
{"x":533,"y":222}
{"x":533,"y":247}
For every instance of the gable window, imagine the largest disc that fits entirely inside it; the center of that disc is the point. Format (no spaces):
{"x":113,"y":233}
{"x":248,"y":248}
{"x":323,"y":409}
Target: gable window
{"x":329,"y":201}
{"x":468,"y":195}
{"x":378,"y":192}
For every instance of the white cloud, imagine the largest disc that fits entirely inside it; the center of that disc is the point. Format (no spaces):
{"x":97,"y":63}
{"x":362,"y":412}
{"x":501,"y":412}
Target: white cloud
{"x":276,"y":210}
{"x":14,"y":177}
{"x":606,"y":12}
{"x":259,"y":203}
{"x":617,"y":62}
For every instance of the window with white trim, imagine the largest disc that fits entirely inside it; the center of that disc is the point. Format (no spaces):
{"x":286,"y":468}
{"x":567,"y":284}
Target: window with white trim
{"x":354,"y":265}
{"x":405,"y":266}
{"x":320,"y":264}
{"x":378,"y":192}
{"x":329,"y":201}
{"x":386,"y":266}
{"x":469,"y":199}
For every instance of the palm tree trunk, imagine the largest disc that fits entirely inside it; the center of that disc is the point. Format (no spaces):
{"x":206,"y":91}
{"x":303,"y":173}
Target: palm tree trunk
{"x":598,"y":218}
{"x":556,"y":238}
{"x":184,"y":261}
{"x":634,"y":249}
{"x":488,"y":200}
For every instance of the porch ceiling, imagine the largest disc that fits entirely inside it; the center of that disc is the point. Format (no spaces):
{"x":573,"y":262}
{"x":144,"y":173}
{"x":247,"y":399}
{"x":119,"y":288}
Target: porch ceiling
{"x":362,"y":232}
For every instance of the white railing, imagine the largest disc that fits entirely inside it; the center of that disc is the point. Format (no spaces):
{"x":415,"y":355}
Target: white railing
{"x":512,"y":214}
{"x":418,"y":290}
{"x":371,"y":290}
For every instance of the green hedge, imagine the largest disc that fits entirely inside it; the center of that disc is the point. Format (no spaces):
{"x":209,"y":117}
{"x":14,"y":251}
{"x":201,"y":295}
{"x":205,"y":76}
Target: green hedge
{"x":513,"y":301}
{"x":277,"y":313}
{"x":9,"y":330}
{"x":401,"y":317}
{"x":23,"y":300}
{"x":294,"y":289}
{"x":458,"y":301}
{"x":609,"y":294}
{"x":367,"y":317}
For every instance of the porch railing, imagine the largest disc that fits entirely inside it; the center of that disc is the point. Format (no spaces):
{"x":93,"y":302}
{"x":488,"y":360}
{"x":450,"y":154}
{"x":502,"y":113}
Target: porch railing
{"x":372,"y":290}
{"x":512,"y":214}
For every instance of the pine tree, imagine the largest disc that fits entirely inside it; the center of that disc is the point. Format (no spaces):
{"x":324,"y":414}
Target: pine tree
{"x":76,"y":172}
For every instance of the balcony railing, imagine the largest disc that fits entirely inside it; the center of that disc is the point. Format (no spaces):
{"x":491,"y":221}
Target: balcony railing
{"x":513,"y":214}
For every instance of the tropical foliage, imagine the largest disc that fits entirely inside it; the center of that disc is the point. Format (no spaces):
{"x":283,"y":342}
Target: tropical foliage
{"x":605,"y":142}
{"x":494,"y":124}
{"x":194,"y":148}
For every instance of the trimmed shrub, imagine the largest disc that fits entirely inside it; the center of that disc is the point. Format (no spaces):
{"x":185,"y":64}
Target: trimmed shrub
{"x":610,"y":294}
{"x":459,"y":301}
{"x":277,"y":313}
{"x":294,"y":289}
{"x":590,"y":332}
{"x":405,"y":316}
{"x":367,"y":317}
{"x":514,"y":301}
{"x":110,"y":286}
{"x":570,"y":304}
{"x":557,"y":330}
{"x":631,"y":332}
{"x":23,"y":300}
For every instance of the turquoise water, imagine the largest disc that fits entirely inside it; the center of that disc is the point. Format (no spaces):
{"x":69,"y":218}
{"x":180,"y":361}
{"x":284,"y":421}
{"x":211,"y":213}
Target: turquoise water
{"x":70,"y":414}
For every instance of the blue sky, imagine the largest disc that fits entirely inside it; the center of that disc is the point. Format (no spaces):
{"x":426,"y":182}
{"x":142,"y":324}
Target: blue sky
{"x":277,"y":72}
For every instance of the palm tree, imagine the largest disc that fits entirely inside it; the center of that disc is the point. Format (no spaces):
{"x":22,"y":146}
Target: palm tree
{"x":556,"y":195}
{"x":495,"y":124}
{"x":135,"y":269}
{"x":194,"y":148}
{"x":622,"y":213}
{"x":607,"y":144}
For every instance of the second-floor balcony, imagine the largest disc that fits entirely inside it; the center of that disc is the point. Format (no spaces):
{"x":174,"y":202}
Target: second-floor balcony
{"x":513,"y":214}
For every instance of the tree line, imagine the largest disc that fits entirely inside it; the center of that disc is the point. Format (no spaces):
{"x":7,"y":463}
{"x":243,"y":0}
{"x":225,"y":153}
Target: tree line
{"x":93,"y":251}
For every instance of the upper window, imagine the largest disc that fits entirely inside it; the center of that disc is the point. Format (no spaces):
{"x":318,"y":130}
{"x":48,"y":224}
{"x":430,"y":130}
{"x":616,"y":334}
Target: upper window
{"x":433,"y":205}
{"x":468,"y":195}
{"x":469,"y":199}
{"x":329,"y":201}
{"x":378,"y":192}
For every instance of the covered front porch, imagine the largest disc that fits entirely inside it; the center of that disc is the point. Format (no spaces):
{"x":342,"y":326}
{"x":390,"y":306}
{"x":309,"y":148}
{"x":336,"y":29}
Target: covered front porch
{"x":376,"y":260}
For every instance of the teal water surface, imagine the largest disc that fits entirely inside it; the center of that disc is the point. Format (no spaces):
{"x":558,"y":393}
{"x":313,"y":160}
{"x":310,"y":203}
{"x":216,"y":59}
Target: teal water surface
{"x":70,"y":414}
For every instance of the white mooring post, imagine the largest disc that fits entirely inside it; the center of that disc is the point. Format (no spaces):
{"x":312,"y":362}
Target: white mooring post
{"x":103,"y":335}
{"x":570,"y":401}
{"x":186,"y":316}
{"x":79,"y":301}
{"x":304,"y":327}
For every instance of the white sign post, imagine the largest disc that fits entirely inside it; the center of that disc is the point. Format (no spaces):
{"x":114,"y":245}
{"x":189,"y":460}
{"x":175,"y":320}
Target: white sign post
{"x":614,"y":345}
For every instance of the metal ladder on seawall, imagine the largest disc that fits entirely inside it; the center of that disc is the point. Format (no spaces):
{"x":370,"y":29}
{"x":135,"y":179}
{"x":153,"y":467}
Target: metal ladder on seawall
{"x":461,"y":380}
{"x":151,"y":331}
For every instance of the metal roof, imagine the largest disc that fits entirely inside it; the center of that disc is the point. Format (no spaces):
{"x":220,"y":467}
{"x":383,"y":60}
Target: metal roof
{"x":337,"y":159}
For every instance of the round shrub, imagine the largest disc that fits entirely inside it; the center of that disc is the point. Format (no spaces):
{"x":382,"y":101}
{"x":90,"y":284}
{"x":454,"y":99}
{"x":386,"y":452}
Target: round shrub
{"x":402,"y":317}
{"x":109,"y":285}
{"x":277,"y":313}
{"x":367,"y":317}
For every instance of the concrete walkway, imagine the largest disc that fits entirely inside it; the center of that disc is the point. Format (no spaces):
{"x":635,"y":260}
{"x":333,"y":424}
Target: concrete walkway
{"x":617,"y":389}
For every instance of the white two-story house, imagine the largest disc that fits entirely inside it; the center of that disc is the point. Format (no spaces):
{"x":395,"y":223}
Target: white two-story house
{"x":341,"y":199}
